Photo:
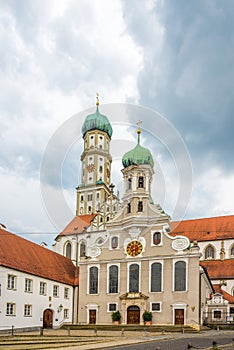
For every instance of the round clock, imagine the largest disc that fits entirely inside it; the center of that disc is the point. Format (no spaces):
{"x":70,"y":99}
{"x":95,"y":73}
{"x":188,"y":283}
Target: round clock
{"x":90,"y":168}
{"x":134,"y":248}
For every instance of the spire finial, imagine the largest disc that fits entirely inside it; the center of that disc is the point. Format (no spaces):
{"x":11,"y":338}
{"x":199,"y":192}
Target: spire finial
{"x":97,"y":99}
{"x":139,"y":129}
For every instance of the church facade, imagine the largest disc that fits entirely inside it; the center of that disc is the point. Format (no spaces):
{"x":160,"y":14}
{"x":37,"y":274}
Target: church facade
{"x":128,"y":260}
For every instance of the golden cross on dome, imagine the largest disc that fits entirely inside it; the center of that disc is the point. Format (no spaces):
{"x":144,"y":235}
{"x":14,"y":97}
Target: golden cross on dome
{"x":139,"y":129}
{"x":97,"y":99}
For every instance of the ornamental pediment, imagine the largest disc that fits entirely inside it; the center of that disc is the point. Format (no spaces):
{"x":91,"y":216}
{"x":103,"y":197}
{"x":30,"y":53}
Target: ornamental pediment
{"x":133,"y":295}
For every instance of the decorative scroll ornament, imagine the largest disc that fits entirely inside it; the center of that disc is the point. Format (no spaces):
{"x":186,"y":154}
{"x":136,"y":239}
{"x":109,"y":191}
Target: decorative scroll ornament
{"x":180,"y":243}
{"x":93,"y":251}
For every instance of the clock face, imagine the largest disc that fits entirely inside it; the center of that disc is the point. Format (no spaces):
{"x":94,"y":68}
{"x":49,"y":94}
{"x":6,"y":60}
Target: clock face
{"x":90,"y":168}
{"x":134,"y":248}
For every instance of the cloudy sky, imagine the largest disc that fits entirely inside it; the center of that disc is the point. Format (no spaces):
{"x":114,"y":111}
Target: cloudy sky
{"x":173,"y":57}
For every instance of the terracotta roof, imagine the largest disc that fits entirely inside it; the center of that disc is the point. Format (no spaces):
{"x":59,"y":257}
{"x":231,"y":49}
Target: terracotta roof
{"x":207,"y":229}
{"x":219,"y":269}
{"x":226,"y":296}
{"x":78,"y":224}
{"x":22,"y":255}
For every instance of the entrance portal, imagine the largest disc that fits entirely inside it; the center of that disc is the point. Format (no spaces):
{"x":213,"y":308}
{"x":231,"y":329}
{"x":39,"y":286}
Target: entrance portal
{"x":179,"y":316}
{"x":48,"y":318}
{"x":92,"y":316}
{"x":133,"y":315}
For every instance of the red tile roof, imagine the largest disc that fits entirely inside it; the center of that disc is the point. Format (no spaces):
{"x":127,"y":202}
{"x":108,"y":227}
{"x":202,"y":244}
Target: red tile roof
{"x":78,"y":224}
{"x":219,"y":269}
{"x":226,"y":296}
{"x":206,"y":229}
{"x":20,"y":254}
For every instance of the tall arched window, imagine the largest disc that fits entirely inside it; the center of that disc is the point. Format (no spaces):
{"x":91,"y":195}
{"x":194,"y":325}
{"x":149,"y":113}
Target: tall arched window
{"x":93,"y":280}
{"x":129,"y":184}
{"x":156,"y":277}
{"x":134,"y":278}
{"x":129,"y":208}
{"x":68,"y":250}
{"x":180,"y":276}
{"x":82,"y":249}
{"x":209,"y":252}
{"x":113,"y":279}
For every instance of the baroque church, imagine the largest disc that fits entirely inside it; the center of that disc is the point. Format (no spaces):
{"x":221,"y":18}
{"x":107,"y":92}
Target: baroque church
{"x":119,"y":255}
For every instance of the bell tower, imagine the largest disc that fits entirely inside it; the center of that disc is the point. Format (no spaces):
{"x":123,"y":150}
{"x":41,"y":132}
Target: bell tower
{"x":96,"y":160}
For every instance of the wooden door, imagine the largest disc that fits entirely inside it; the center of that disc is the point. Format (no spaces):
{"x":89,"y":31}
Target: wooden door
{"x":179,"y":316}
{"x":92,"y":316}
{"x":48,"y":318}
{"x":133,"y":315}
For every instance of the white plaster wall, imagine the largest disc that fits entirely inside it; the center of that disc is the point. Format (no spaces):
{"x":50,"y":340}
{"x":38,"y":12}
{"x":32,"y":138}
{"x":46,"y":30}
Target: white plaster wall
{"x":39,"y":302}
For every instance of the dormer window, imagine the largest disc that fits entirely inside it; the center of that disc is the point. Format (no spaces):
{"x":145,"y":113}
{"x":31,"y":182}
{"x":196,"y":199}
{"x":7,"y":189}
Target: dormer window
{"x":141,"y":182}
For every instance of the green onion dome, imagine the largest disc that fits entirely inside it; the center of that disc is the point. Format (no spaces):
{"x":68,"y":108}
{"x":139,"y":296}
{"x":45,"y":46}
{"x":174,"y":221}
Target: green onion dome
{"x":97,"y":121}
{"x":138,"y":155}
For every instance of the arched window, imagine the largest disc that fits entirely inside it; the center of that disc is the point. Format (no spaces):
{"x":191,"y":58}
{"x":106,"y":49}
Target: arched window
{"x":209,"y":252}
{"x":140,"y":206}
{"x":113,"y":279}
{"x":180,"y":276}
{"x":114,"y":242}
{"x":141,"y":182}
{"x":134,"y":278}
{"x":157,"y":238}
{"x":68,"y":250}
{"x":232,"y":251}
{"x":156,"y":277}
{"x":93,"y":280}
{"x":82,"y":249}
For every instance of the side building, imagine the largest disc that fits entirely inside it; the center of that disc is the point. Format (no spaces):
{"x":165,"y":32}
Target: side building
{"x":38,"y":287}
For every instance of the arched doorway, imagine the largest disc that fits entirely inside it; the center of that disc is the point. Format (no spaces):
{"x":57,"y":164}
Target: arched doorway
{"x":133,"y":315}
{"x":48,"y":318}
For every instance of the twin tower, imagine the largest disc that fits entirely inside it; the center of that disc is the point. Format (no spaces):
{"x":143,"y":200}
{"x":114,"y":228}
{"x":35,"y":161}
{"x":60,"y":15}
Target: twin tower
{"x":95,"y":193}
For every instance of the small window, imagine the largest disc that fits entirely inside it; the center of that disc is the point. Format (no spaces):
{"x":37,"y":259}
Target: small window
{"x":232,"y":251}
{"x":55,"y":291}
{"x":66,"y":293}
{"x":91,"y":137}
{"x":157,"y":238}
{"x":140,"y":206}
{"x":129,"y":208}
{"x":100,"y":137}
{"x":129,"y":184}
{"x":10,"y":309}
{"x":65,"y":313}
{"x":112,"y":307}
{"x":89,"y":209}
{"x":141,"y":182}
{"x":100,"y":168}
{"x":98,"y":195}
{"x":28,"y":285}
{"x":27,"y":310}
{"x":42,"y":288}
{"x":90,"y":197}
{"x":114,"y":242}
{"x":81,"y":198}
{"x":155,"y":307}
{"x":11,"y":282}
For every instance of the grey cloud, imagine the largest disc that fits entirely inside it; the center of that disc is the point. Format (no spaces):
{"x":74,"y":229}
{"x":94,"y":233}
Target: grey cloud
{"x":190,"y":78}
